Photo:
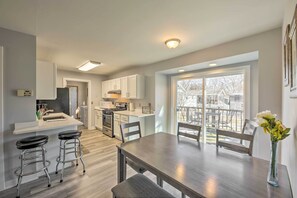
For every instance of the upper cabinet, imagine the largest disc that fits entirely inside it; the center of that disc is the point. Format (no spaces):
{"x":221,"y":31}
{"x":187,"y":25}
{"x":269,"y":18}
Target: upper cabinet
{"x":46,"y":74}
{"x":131,"y":87}
{"x":115,"y":84}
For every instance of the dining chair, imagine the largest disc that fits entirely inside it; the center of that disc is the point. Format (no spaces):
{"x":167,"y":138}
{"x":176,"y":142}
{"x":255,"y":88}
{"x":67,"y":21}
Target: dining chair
{"x":193,"y":128}
{"x":187,"y":126}
{"x":247,"y":134}
{"x":126,"y":132}
{"x":130,"y":129}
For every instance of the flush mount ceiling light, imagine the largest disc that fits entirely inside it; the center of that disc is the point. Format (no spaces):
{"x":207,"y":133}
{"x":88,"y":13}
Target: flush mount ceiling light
{"x":172,"y":43}
{"x":212,"y":64}
{"x":89,"y":65}
{"x":181,"y":70}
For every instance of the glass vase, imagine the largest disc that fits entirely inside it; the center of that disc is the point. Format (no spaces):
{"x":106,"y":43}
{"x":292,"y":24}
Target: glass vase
{"x":272,"y":178}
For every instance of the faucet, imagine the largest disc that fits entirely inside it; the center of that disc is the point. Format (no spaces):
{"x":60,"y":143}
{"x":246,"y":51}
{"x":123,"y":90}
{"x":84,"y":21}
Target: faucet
{"x":47,"y":112}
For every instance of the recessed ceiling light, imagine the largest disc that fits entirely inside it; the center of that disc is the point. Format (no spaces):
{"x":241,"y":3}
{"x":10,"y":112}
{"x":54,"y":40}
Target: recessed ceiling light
{"x":89,"y":65}
{"x":181,"y":70}
{"x":172,"y":43}
{"x":212,"y":64}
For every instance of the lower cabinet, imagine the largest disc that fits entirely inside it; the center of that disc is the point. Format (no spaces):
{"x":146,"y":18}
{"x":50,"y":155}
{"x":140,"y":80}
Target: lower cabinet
{"x":98,"y":119}
{"x":120,"y":119}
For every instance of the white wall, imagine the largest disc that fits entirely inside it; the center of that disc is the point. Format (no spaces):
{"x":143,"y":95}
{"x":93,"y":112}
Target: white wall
{"x":96,"y":86}
{"x":19,"y":73}
{"x":268,"y":72}
{"x":289,"y":115}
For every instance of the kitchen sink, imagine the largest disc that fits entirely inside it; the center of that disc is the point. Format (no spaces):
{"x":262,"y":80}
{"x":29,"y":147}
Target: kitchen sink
{"x":54,"y":118}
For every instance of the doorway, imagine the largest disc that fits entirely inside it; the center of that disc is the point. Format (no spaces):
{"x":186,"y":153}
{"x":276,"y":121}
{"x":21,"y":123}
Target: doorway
{"x":80,"y":99}
{"x":212,"y":100}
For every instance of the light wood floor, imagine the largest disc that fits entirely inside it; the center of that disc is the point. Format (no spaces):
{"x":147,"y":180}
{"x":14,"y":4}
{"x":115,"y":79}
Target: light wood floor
{"x":101,"y":160}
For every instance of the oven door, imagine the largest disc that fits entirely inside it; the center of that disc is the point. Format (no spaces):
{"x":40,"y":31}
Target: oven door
{"x":107,"y":121}
{"x":107,"y":125}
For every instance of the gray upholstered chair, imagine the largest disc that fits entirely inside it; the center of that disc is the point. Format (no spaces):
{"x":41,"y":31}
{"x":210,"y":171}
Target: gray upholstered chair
{"x":247,"y":134}
{"x":139,"y":186}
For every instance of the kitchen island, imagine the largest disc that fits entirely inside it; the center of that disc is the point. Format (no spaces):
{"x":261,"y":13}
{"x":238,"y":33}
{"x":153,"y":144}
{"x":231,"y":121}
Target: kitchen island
{"x":51,"y":128}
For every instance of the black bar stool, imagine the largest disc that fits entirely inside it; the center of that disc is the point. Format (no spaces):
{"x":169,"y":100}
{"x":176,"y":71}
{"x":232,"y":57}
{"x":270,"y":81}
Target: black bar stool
{"x":30,"y":147}
{"x":69,"y":141}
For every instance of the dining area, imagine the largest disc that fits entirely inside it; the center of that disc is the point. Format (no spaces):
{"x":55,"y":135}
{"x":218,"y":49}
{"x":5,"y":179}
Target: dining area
{"x":195,"y":168}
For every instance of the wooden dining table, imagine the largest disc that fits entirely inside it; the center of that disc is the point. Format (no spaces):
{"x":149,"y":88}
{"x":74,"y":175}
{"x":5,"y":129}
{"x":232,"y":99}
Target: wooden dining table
{"x":202,"y":170}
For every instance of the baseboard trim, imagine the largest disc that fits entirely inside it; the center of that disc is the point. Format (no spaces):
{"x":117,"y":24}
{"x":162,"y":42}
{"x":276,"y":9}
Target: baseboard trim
{"x":13,"y":182}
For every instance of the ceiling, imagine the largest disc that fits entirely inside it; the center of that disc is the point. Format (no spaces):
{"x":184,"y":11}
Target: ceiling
{"x":126,"y":33}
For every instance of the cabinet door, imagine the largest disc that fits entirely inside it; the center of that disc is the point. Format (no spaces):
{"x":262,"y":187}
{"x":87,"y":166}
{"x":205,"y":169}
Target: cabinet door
{"x":100,"y":122}
{"x":117,"y":130}
{"x":106,"y":85}
{"x":124,"y":87}
{"x":117,"y":84}
{"x":46,"y":74}
{"x":132,"y":86}
{"x":96,"y":119}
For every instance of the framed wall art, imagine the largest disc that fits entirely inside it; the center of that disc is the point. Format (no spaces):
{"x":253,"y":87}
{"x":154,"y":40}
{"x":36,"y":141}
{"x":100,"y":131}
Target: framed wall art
{"x":293,"y":69}
{"x":287,"y":56}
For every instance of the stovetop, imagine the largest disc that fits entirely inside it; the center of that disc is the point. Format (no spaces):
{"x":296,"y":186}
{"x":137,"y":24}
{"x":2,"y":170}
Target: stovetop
{"x":110,"y":111}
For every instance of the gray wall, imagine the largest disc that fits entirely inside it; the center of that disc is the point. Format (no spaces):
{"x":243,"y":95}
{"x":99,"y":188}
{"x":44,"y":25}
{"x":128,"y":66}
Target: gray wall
{"x":19,"y":73}
{"x":96,"y":86}
{"x":268,"y":44}
{"x":289,"y":114}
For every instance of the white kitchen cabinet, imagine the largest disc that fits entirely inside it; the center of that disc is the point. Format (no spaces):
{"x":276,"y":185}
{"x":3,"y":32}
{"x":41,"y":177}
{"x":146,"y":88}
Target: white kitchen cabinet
{"x":46,"y":74}
{"x":98,"y":119}
{"x":106,"y":87}
{"x":124,"y":87}
{"x":117,"y":129}
{"x":120,"y":119}
{"x":115,"y":84}
{"x":133,"y":87}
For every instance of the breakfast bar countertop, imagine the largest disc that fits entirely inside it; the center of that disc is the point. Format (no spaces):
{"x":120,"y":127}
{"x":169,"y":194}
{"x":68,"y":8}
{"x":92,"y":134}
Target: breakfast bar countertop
{"x":40,"y":125}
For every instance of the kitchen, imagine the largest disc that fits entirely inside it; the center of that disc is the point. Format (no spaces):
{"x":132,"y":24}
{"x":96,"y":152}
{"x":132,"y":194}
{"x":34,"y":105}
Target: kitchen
{"x":123,"y":99}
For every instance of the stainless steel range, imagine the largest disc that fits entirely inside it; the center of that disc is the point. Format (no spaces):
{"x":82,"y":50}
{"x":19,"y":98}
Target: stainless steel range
{"x":107,"y":115}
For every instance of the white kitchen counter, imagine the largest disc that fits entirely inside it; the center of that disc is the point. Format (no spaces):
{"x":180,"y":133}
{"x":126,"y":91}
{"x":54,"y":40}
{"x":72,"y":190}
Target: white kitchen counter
{"x":133,"y":113}
{"x":39,"y":126}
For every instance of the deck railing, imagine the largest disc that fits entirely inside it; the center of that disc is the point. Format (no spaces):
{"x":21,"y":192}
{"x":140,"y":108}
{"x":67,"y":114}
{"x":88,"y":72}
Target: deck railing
{"x":228,"y":119}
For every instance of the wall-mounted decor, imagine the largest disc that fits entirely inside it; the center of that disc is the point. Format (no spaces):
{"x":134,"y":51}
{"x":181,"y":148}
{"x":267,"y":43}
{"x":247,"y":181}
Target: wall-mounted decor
{"x":293,"y":70}
{"x":287,"y":56}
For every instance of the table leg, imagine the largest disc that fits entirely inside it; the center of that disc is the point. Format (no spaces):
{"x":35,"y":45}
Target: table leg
{"x":121,"y":166}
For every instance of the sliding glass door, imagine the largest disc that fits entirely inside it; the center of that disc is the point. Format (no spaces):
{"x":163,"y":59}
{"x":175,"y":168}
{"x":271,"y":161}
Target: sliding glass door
{"x":213,"y":102}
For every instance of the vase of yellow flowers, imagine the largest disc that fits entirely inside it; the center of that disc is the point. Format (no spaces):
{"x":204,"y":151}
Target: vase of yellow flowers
{"x":277,"y":132}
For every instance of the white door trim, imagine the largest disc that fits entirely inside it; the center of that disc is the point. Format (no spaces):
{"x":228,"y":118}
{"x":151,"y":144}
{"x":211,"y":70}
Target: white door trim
{"x":2,"y":172}
{"x":90,"y":127}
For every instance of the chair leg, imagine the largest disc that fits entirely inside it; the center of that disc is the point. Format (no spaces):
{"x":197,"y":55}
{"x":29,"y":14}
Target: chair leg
{"x":159,"y":181}
{"x":75,"y":150}
{"x":183,"y":195}
{"x":64,"y":153}
{"x":44,"y":165}
{"x":59,"y":158}
{"x":80,"y":157}
{"x":20,"y":175}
